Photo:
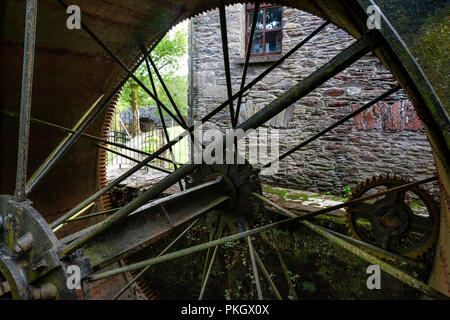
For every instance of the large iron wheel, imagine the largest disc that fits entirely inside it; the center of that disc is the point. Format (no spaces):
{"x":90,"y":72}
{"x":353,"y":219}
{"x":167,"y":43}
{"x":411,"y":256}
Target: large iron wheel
{"x":234,"y":199}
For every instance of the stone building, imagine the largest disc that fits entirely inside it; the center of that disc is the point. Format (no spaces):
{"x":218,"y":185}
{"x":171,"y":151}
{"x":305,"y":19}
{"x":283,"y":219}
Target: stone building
{"x":387,"y":138}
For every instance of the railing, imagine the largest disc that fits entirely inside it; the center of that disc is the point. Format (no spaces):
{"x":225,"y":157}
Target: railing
{"x":149,"y":138}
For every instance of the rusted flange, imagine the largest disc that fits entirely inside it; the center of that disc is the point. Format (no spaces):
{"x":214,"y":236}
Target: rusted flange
{"x":29,"y":262}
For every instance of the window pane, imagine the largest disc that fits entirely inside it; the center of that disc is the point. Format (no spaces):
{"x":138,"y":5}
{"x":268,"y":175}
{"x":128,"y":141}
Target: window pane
{"x":257,"y":46}
{"x":259,"y":22}
{"x":273,"y":18}
{"x":273,"y":41}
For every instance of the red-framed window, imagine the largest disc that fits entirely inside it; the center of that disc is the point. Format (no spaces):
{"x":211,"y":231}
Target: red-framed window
{"x":268,"y":37}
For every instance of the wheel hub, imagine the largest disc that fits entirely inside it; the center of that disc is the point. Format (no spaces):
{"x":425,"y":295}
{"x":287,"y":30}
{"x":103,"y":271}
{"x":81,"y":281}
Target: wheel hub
{"x":241,"y":180}
{"x":393,"y":219}
{"x":29,"y":265}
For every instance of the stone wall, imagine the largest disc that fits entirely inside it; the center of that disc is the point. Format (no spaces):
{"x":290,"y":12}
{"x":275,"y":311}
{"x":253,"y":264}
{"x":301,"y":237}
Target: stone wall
{"x":388,"y":138}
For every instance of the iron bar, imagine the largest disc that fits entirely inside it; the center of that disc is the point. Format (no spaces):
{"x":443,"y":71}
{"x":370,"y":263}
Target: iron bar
{"x":226,"y":56}
{"x":396,"y":273}
{"x":132,"y":159}
{"x":129,"y":208}
{"x":79,"y":213}
{"x":191,"y":128}
{"x":341,"y":61}
{"x":365,"y":245}
{"x":247,"y":59}
{"x":186,"y":251}
{"x":273,"y":204}
{"x":161,"y":116}
{"x":208,"y":272}
{"x":374,"y":248}
{"x":336,"y":124}
{"x":205,"y":266}
{"x":96,"y":112}
{"x":161,"y":80}
{"x":25,"y":99}
{"x":61,"y":144}
{"x":265,"y":73}
{"x":212,"y":236}
{"x":162,"y":252}
{"x":355,"y":201}
{"x":14,"y":114}
{"x":255,"y":269}
{"x":267,"y":275}
{"x":152,"y":221}
{"x":92,"y":215}
{"x":284,"y":267}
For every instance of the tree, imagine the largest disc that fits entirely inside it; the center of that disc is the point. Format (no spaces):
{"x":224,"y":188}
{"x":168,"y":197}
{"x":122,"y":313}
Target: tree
{"x":166,"y":57}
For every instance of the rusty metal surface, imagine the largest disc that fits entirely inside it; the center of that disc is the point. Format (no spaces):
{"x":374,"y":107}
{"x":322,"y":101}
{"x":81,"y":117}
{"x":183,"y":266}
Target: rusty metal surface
{"x":151,"y":223}
{"x":28,"y":254}
{"x":72,"y":71}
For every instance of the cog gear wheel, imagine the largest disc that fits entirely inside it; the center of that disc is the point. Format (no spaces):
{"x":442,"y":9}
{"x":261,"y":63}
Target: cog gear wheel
{"x":404,"y":222}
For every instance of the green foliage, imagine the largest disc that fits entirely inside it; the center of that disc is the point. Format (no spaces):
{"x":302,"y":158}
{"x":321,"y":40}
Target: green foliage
{"x":346,"y":192}
{"x":167,"y":59}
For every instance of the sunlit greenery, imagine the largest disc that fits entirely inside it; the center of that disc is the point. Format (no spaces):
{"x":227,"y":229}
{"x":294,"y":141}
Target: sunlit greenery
{"x":167,"y":59}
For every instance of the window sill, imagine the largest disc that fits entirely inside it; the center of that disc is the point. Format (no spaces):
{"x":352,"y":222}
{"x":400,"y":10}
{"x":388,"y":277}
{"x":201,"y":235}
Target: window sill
{"x":259,"y":59}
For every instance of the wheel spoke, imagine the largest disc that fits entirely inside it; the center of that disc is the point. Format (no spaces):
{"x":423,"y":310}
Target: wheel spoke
{"x":264,"y":73}
{"x":208,"y":272}
{"x":134,"y":231}
{"x":247,"y":59}
{"x":79,"y":213}
{"x":421,"y":224}
{"x":162,"y":252}
{"x":118,"y":180}
{"x":400,"y":275}
{"x":134,"y":160}
{"x":354,"y":202}
{"x":161,"y":116}
{"x":255,"y":269}
{"x":359,"y":243}
{"x":267,"y":275}
{"x":97,"y":139}
{"x":186,"y":251}
{"x":208,"y":253}
{"x":384,"y":241}
{"x":25,"y":99}
{"x":61,"y":144}
{"x":226,"y":57}
{"x":363,"y":210}
{"x":285,"y":212}
{"x":396,"y":197}
{"x":161,"y":80}
{"x":92,"y":215}
{"x":284,"y":267}
{"x":123,"y":66}
{"x":275,"y":246}
{"x":336,"y":124}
